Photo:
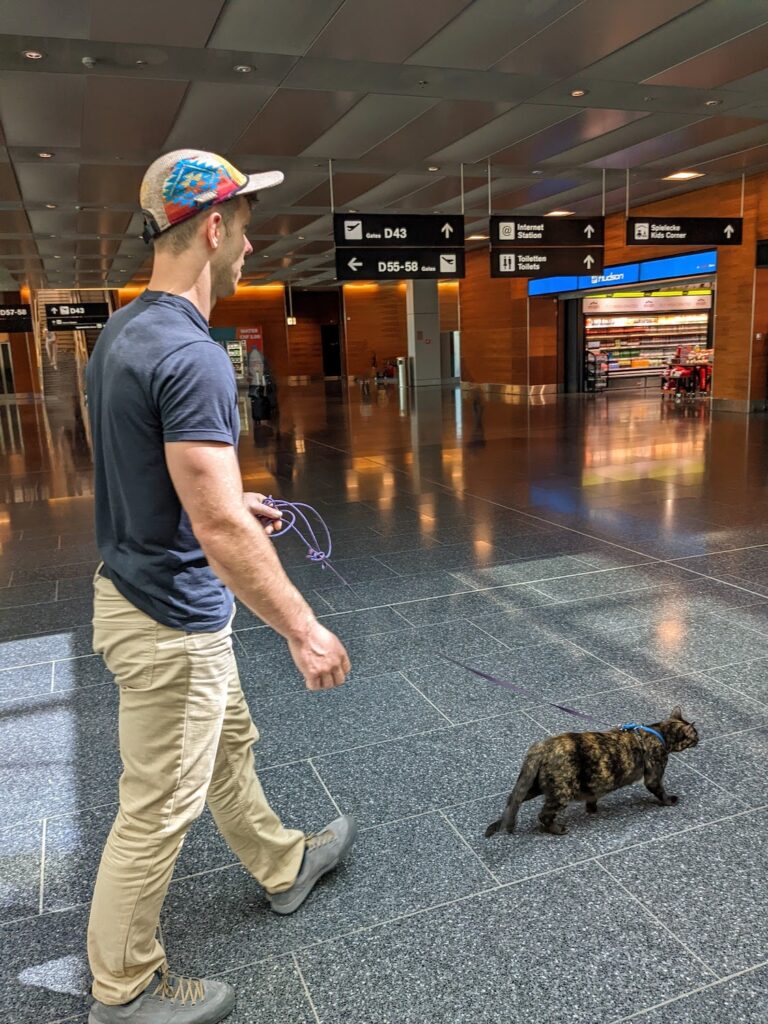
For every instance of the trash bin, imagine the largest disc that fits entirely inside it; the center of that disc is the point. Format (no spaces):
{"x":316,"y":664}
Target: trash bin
{"x":402,"y":372}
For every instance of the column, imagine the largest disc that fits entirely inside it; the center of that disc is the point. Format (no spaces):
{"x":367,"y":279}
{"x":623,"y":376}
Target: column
{"x":423,"y":313}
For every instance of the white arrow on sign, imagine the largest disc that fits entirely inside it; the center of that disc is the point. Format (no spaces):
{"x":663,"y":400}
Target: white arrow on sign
{"x":589,"y":260}
{"x":729,"y":230}
{"x":54,"y":310}
{"x":355,"y":263}
{"x":446,"y":230}
{"x":589,"y":231}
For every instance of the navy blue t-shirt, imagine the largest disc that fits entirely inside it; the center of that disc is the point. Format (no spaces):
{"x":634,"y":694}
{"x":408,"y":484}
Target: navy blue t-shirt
{"x":156,"y":375}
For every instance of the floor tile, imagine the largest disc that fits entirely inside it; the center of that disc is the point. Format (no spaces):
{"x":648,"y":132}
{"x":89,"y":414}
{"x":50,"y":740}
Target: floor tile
{"x":390,"y":780}
{"x":57,"y":571}
{"x":44,"y":974}
{"x":652,"y":653}
{"x":534,"y":951}
{"x":350,"y":570}
{"x":598,"y":584}
{"x":750,"y":677}
{"x":363,"y":623}
{"x":364,"y":710}
{"x":20,"y":864}
{"x":471,"y":605}
{"x":26,"y":681}
{"x":32,"y":650}
{"x":269,"y":992}
{"x":739,"y":763}
{"x":60,"y":753}
{"x":741,"y":1000}
{"x":703,"y":884}
{"x":446,"y":557}
{"x":81,"y":673}
{"x":32,"y":594}
{"x":390,"y":871}
{"x":51,"y":617}
{"x":391,"y":591}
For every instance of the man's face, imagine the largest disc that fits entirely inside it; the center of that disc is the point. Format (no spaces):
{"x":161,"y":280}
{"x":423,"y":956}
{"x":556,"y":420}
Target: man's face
{"x":234,"y":247}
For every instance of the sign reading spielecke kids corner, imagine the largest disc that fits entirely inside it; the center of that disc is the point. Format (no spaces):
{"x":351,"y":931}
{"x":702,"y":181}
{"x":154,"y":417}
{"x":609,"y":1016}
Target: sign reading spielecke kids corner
{"x":684,"y":230}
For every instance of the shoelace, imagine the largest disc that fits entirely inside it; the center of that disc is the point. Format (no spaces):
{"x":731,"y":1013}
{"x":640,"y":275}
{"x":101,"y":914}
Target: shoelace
{"x":179,"y":989}
{"x":315,"y":840}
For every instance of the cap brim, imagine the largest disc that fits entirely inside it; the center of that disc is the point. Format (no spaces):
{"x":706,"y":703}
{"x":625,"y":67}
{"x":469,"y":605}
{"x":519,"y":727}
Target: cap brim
{"x":258,"y":182}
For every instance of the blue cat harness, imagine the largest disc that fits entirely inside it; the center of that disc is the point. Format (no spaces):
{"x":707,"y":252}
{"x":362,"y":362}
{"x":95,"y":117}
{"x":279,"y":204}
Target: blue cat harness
{"x":635,"y":727}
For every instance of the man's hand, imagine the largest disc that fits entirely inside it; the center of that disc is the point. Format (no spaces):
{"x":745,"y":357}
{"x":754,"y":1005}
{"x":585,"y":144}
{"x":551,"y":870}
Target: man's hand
{"x":320,"y":657}
{"x":267,"y":516}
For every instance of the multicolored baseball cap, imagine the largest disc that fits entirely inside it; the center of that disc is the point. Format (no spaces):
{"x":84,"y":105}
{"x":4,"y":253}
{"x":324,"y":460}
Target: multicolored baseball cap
{"x":180,"y":184}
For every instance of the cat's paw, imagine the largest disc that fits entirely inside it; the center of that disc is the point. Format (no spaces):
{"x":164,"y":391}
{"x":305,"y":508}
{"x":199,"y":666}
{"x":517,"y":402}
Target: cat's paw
{"x":555,"y":829}
{"x":669,"y":800}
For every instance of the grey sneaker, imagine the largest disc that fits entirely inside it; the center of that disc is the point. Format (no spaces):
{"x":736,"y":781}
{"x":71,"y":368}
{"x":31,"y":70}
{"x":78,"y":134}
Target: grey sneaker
{"x":323,"y":852}
{"x":170,"y":999}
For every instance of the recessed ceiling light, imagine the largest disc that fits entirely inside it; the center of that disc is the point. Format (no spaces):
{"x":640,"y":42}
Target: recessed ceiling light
{"x":476,"y":238}
{"x":559,"y":213}
{"x":45,"y":156}
{"x":578,"y":93}
{"x":33,"y":54}
{"x":140,"y":63}
{"x":712,"y":103}
{"x":422,"y":82}
{"x":433,"y":167}
{"x":57,"y":257}
{"x":243,"y":69}
{"x":301,"y":238}
{"x":683,"y":176}
{"x":50,"y":206}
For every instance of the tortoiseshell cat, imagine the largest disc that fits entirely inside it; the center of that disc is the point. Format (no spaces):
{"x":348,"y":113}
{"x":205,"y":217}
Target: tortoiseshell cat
{"x":587,"y":765}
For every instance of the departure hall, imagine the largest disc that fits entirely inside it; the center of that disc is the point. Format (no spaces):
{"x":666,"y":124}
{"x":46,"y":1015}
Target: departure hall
{"x":384,"y":511}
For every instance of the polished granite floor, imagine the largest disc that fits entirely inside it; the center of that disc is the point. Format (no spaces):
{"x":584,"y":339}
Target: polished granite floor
{"x":610,"y":553}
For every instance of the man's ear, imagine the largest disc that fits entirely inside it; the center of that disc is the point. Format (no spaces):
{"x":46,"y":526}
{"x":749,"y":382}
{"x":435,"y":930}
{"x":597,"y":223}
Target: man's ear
{"x":214,"y":229}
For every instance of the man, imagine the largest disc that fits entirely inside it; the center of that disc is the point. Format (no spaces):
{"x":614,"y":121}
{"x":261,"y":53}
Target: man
{"x":177,"y":536}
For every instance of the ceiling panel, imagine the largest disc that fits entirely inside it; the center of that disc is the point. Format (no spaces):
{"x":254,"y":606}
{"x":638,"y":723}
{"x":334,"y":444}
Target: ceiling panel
{"x":734,"y":60}
{"x":580,"y":128}
{"x":314,"y":248}
{"x":102,"y":222}
{"x":371,"y":30}
{"x":9,"y":190}
{"x":447,"y":190}
{"x":518,"y":123}
{"x":531,"y":192}
{"x":214,"y":115}
{"x":173,"y":22}
{"x":436,"y":129}
{"x":284,"y":225}
{"x":47,"y":182}
{"x":96,"y":247}
{"x":705,"y":26}
{"x":53,"y":222}
{"x":346,"y":188}
{"x":101,"y":184}
{"x":590,"y":31}
{"x":292,"y":120}
{"x":679,"y":141}
{"x":65,"y":20}
{"x":603,"y":145}
{"x":272,"y":26}
{"x":41,"y":111}
{"x":13,"y":222}
{"x":487,"y":30}
{"x":129,"y":115}
{"x":370,"y":121}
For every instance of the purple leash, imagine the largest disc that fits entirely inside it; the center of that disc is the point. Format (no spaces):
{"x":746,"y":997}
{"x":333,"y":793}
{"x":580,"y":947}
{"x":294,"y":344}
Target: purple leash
{"x":293,"y":515}
{"x":522,"y":690}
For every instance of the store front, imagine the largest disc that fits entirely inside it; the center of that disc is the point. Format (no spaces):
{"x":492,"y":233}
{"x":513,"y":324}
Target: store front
{"x":638,"y":325}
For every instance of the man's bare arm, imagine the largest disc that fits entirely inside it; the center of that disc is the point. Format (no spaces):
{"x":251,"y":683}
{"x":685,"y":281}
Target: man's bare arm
{"x":206,"y":476}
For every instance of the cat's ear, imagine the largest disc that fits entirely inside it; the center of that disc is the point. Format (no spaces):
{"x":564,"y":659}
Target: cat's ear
{"x":677,"y":712}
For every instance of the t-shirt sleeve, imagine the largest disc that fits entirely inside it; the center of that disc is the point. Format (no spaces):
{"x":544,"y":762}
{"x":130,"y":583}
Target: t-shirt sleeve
{"x":196,"y":394}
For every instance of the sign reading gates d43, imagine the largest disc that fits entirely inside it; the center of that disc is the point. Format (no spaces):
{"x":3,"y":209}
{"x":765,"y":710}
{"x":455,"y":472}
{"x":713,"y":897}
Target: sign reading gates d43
{"x":16,"y":318}
{"x":684,"y":230}
{"x":381,"y":230}
{"x":67,"y":316}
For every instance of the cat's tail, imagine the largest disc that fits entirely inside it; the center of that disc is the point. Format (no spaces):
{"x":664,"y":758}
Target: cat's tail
{"x":525,"y":783}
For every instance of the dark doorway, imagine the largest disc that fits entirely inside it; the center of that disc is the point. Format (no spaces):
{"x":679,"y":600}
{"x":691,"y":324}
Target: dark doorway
{"x":331,"y":341}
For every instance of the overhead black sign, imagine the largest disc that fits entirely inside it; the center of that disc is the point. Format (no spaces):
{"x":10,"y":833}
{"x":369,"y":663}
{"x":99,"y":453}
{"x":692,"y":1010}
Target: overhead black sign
{"x":398,"y":264}
{"x":545,"y":262}
{"x":390,"y":229}
{"x":544,"y":231}
{"x":76,"y":316}
{"x":684,"y":230}
{"x":15,"y":319}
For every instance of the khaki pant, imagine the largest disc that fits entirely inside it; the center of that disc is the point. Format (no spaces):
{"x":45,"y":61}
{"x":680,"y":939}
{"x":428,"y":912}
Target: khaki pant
{"x":185,"y":737}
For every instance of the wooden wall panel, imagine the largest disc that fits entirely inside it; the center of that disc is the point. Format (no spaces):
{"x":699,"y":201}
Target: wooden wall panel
{"x":305,"y":347}
{"x":26,"y":376}
{"x":375,"y":322}
{"x":448,"y":295}
{"x":493,"y":326}
{"x":543,"y":332}
{"x":260,"y":306}
{"x":759,"y":377}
